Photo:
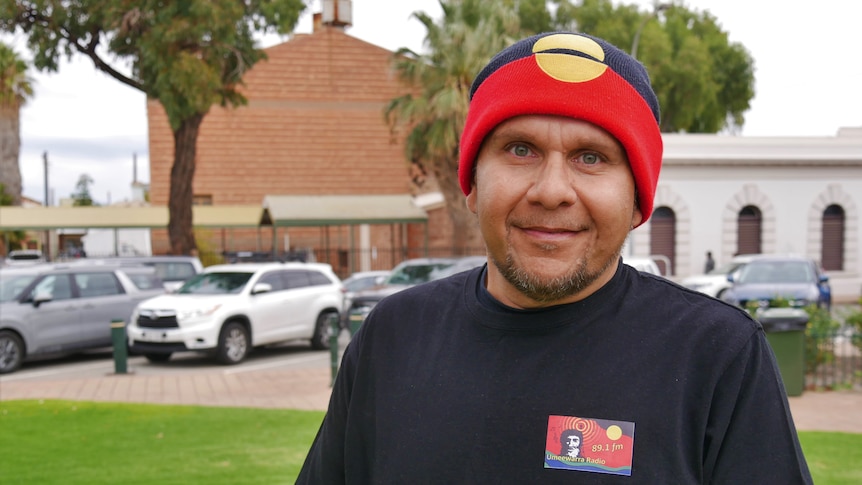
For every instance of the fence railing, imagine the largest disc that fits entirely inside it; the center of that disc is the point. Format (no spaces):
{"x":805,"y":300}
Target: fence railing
{"x":833,"y":360}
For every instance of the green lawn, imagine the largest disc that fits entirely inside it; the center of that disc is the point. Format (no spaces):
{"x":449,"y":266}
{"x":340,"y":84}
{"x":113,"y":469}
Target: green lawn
{"x":80,"y":442}
{"x":74,"y":442}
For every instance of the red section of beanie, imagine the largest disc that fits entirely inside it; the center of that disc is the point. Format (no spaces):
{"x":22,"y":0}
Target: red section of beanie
{"x":608,"y":101}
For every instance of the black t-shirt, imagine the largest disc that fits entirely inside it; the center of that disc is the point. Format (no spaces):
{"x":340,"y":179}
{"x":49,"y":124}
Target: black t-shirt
{"x":641,"y":382}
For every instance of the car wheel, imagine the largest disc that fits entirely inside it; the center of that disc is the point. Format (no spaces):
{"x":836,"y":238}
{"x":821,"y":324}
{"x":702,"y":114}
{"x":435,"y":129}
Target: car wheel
{"x":158,"y":357}
{"x":233,"y":344}
{"x":320,"y":338}
{"x":11,"y":352}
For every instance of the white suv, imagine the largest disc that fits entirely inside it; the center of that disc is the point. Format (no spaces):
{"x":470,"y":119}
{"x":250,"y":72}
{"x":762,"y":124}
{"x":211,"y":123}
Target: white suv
{"x":229,"y":309}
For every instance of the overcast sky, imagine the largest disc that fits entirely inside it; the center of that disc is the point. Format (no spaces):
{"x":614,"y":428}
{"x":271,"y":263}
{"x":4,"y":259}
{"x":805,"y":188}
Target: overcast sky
{"x":807,"y":72}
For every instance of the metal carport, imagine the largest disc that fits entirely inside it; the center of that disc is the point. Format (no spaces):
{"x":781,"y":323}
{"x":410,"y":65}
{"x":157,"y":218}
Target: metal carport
{"x":335,"y":210}
{"x":124,"y":217}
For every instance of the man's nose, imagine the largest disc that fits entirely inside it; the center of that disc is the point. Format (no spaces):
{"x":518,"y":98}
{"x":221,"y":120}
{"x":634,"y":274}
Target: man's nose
{"x":553,"y":184}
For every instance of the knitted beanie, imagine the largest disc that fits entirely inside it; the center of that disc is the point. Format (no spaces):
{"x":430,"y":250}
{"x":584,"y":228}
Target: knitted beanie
{"x":574,"y":75}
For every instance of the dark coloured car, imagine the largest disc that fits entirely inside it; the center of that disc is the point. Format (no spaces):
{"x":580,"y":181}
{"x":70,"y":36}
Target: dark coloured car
{"x":764,"y":281}
{"x":359,"y":281}
{"x":410,"y":273}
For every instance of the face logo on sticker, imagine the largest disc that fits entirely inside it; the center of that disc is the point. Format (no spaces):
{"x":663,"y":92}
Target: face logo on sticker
{"x":568,"y":67}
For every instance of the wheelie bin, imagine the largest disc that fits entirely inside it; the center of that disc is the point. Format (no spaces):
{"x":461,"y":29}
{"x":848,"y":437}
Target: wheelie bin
{"x":785,"y":332}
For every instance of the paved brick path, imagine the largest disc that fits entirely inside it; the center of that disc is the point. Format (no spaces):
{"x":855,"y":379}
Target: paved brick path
{"x":309,"y":389}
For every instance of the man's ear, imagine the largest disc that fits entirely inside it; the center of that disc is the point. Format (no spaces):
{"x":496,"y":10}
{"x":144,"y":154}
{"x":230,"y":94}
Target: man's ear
{"x":637,"y":216}
{"x":471,"y":199}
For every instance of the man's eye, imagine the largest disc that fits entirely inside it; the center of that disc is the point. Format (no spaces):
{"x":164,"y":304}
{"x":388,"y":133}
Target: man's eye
{"x":520,"y":150}
{"x":590,"y":158}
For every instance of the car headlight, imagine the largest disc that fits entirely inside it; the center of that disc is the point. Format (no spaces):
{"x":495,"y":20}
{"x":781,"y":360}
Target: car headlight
{"x":197,"y":313}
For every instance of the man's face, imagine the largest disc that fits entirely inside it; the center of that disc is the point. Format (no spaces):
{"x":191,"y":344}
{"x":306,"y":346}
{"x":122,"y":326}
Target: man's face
{"x":572,"y":445}
{"x":555,"y":200}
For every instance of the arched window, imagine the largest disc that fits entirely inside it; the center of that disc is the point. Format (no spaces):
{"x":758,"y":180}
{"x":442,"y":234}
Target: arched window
{"x":832,"y":239}
{"x":748,"y":230}
{"x":663,"y":237}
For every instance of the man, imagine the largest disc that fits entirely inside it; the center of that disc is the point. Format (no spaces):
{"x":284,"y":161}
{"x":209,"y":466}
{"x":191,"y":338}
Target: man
{"x":710,"y":263}
{"x":559,"y":160}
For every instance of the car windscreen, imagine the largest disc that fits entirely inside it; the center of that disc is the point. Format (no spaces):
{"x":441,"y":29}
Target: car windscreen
{"x":726,"y":269}
{"x":776,"y":272}
{"x":173,"y":270}
{"x":415,"y":274}
{"x":11,"y":285}
{"x":215,"y":283}
{"x":360,"y":284}
{"x":145,"y":281}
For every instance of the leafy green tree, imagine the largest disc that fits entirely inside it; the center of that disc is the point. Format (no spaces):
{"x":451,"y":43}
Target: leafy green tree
{"x":704,"y":83}
{"x":81,"y":196}
{"x":188,"y":55}
{"x":470,"y":32}
{"x":15,"y":88}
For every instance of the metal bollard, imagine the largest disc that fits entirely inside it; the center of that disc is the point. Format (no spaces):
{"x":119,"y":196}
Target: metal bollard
{"x":356,"y":320}
{"x":118,"y":338}
{"x":334,"y":332}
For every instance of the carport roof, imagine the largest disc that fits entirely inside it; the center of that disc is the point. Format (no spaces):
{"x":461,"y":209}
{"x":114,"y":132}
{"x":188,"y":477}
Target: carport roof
{"x":40,"y":218}
{"x":323,"y":210}
{"x":278,"y":210}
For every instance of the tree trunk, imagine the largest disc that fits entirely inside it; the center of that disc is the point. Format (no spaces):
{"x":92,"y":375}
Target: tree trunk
{"x":10,"y":148}
{"x":466,"y":238}
{"x":180,"y":231}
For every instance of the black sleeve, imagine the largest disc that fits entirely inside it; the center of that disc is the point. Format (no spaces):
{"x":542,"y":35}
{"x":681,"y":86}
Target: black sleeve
{"x":325,"y":461}
{"x":751,"y":437}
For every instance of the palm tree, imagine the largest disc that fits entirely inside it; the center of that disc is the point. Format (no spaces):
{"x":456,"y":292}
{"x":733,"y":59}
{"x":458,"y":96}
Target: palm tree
{"x":15,"y":88}
{"x":469,"y":34}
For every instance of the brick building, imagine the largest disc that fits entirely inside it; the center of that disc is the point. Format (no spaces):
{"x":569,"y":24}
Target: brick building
{"x":313,"y":125}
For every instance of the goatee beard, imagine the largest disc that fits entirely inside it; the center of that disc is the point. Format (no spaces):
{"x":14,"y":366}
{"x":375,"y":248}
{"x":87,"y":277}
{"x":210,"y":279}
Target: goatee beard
{"x":553,"y":289}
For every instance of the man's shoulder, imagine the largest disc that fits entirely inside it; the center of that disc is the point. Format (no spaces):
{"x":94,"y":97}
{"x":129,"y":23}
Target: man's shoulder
{"x":658,"y":296}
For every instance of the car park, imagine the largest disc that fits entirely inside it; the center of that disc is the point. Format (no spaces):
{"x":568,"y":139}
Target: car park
{"x":227,"y":310}
{"x":715,"y":283}
{"x":409,"y":273}
{"x":173,"y":270}
{"x":61,"y":309}
{"x":765,"y":281}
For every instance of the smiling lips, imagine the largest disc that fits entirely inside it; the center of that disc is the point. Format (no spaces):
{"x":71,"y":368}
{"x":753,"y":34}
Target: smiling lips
{"x":549,"y":233}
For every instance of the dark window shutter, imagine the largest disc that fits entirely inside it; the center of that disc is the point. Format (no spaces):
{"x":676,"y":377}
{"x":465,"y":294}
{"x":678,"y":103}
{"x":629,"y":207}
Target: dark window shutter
{"x":832,"y":252}
{"x":663,"y":238}
{"x":748,"y":231}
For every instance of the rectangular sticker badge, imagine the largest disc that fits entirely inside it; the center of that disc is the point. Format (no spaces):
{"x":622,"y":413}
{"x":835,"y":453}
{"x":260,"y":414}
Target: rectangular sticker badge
{"x":589,"y":445}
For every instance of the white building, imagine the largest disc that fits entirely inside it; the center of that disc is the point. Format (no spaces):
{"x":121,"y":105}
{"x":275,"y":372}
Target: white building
{"x":734,"y":195}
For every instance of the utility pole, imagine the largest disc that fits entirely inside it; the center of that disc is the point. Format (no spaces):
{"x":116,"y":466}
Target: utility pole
{"x":47,"y":243}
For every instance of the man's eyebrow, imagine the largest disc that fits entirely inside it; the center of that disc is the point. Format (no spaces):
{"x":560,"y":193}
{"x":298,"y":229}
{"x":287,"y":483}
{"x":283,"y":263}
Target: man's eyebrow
{"x":510,"y":133}
{"x":603,"y":145}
